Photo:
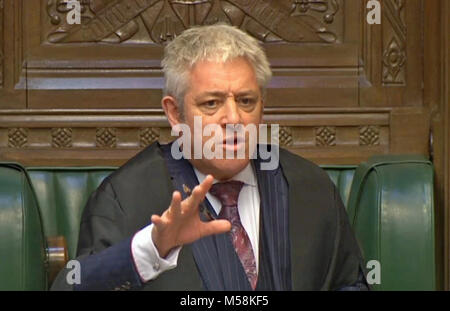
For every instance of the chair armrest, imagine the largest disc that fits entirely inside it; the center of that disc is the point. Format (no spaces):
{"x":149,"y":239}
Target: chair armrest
{"x":57,"y":256}
{"x":391,"y":209}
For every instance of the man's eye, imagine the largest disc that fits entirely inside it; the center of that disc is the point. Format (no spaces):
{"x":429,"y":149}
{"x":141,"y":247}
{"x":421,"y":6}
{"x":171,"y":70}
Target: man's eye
{"x":210,"y":104}
{"x":247,"y":101}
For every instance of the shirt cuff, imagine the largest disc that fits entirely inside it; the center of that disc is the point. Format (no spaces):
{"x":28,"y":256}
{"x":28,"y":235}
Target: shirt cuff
{"x":149,"y":264}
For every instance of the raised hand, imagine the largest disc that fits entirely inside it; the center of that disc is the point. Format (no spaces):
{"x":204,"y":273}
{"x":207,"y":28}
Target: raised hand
{"x":181,"y":224}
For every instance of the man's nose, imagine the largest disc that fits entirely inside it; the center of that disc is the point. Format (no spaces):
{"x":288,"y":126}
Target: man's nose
{"x":231,"y":111}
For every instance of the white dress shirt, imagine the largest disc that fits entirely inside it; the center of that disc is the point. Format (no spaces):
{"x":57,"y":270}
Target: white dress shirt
{"x":150,"y":265}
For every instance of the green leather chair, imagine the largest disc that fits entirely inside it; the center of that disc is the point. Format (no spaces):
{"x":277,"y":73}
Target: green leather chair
{"x":23,"y":261}
{"x":62,"y":194}
{"x":342,"y":176}
{"x":389,"y":200}
{"x":391,"y":209}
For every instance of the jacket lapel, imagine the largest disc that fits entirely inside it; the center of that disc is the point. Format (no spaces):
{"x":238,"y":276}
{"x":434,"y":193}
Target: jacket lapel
{"x":215,"y":257}
{"x":218,"y":271}
{"x":203,"y":250}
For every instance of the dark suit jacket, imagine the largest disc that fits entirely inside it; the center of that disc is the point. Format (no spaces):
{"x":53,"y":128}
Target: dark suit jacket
{"x":306,"y":242}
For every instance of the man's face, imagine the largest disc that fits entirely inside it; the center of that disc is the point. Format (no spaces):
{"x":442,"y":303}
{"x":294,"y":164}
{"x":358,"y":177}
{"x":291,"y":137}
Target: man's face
{"x":223,"y":93}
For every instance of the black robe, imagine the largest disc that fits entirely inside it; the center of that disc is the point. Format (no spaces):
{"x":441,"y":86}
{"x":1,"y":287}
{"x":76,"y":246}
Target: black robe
{"x":317,"y":250}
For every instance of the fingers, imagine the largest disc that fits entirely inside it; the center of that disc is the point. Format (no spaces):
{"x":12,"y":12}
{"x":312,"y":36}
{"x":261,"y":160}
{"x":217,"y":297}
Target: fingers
{"x":215,"y":227}
{"x":156,"y":220}
{"x":199,"y":192}
{"x":175,"y":205}
{"x":178,"y":207}
{"x":173,"y":210}
{"x":207,"y":182}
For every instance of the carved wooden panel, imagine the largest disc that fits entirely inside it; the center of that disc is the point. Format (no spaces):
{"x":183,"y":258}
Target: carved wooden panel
{"x":158,"y":21}
{"x":392,"y":60}
{"x":335,"y":136}
{"x":342,"y":89}
{"x":394,"y":43}
{"x":12,"y":75}
{"x":117,"y":49}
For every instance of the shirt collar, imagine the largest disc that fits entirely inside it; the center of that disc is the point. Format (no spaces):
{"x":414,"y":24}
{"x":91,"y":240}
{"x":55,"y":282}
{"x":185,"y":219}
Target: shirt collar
{"x":247,"y":176}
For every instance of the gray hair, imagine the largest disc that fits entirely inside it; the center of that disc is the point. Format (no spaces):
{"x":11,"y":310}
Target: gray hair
{"x":218,"y":43}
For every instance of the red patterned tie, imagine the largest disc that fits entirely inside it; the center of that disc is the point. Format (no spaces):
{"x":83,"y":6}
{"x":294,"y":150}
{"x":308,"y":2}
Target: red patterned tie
{"x":228,"y":193}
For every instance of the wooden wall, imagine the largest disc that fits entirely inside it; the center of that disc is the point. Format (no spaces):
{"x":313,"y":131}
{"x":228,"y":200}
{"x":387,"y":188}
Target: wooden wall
{"x":90,"y":94}
{"x":441,"y":126}
{"x":343,"y":90}
{"x":437,"y":99}
{"x":445,"y":156}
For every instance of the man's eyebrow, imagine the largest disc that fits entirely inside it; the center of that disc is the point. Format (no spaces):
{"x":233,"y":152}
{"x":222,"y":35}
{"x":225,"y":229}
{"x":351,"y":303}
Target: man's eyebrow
{"x":211,"y":94}
{"x":247,"y":92}
{"x":224,"y":94}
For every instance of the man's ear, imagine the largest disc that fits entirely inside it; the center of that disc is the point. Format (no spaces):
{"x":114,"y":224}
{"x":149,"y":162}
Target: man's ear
{"x":170,"y":106}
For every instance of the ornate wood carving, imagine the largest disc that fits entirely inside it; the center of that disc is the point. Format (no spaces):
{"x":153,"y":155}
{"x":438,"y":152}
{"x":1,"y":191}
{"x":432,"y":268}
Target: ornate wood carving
{"x":285,"y":136}
{"x":394,"y":43}
{"x":301,"y":7}
{"x":337,"y":107}
{"x":17,"y":137}
{"x":106,"y":137}
{"x":392,"y":56}
{"x":116,"y":51}
{"x":323,"y":135}
{"x":61,"y":137}
{"x":158,"y":21}
{"x":369,"y":136}
{"x":326,"y":136}
{"x":148,"y":136}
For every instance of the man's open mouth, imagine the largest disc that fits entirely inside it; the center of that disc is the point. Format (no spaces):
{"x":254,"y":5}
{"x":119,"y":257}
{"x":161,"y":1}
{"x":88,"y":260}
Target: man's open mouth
{"x":234,"y":142}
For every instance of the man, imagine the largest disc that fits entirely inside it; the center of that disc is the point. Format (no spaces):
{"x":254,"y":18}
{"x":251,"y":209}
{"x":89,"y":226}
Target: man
{"x":216,"y":223}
